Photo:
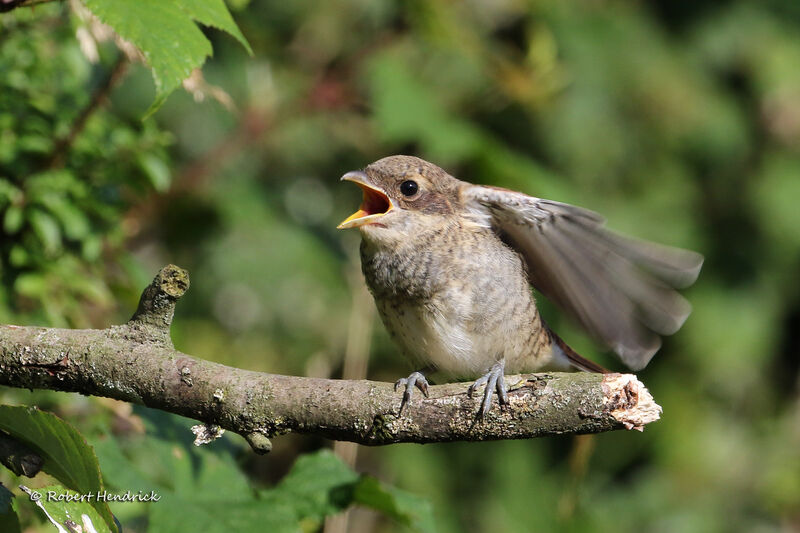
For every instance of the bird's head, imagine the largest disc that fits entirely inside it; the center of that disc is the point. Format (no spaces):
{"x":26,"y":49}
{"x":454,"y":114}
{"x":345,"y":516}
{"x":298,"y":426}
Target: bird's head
{"x":402,"y":195}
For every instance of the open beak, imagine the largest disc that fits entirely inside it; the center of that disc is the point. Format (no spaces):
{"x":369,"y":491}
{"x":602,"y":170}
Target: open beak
{"x":374,"y":205}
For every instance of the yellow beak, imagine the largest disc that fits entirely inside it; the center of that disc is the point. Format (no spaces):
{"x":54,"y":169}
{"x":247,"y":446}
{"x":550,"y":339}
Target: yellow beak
{"x":374,"y":205}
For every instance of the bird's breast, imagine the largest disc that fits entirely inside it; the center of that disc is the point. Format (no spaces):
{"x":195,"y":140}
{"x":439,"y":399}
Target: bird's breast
{"x":408,"y":273}
{"x":458,"y":300}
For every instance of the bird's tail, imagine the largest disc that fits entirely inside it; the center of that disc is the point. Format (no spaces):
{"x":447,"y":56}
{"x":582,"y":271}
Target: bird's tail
{"x":576,"y":360}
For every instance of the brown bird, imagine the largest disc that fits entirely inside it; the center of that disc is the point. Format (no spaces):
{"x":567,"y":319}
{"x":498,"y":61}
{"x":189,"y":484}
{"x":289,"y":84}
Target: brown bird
{"x":450,"y":265}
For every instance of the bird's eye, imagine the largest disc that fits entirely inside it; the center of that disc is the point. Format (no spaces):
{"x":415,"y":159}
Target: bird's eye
{"x":409,"y":188}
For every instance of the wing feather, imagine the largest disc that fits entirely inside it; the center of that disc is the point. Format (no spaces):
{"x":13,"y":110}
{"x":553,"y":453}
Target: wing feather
{"x":621,"y":290}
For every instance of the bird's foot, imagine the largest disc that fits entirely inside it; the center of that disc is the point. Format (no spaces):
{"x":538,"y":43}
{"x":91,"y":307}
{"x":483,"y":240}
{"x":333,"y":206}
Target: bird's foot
{"x":417,"y":380}
{"x":494,"y":381}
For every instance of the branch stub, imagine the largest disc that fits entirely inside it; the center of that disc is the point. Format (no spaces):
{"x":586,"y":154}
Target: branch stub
{"x":157,"y":304}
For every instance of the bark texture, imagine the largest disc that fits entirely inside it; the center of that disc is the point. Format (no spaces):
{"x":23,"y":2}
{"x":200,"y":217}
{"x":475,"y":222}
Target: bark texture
{"x":136,"y":362}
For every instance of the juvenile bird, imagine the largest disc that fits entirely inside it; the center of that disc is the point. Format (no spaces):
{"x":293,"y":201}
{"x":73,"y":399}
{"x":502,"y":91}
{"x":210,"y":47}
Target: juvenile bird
{"x":450,"y":265}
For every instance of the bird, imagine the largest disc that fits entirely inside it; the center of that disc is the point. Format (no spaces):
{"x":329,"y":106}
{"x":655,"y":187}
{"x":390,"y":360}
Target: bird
{"x":450,"y":265}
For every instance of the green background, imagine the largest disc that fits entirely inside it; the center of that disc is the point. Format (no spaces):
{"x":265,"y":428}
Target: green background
{"x":677,"y":120}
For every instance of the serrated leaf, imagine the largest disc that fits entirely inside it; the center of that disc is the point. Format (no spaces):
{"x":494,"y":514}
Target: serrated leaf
{"x":67,"y":456}
{"x":167,"y":35}
{"x":171,"y":42}
{"x":205,"y":484}
{"x":214,"y":13}
{"x":319,"y":484}
{"x":213,"y":495}
{"x":63,"y":506}
{"x":9,"y":521}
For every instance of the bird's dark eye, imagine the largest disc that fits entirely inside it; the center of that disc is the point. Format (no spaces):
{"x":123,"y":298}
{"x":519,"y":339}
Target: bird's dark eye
{"x":409,"y":188}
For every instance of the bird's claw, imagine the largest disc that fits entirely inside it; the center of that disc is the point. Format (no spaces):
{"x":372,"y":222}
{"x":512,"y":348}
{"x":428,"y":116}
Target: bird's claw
{"x":495,"y":382}
{"x":415,"y":379}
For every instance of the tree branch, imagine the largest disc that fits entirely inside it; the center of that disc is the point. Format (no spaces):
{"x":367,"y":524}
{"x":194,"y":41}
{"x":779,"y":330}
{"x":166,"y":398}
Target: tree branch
{"x":136,"y":362}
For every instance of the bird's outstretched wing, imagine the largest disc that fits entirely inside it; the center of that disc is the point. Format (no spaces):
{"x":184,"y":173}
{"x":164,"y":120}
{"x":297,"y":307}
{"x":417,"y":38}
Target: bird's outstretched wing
{"x":621,"y":290}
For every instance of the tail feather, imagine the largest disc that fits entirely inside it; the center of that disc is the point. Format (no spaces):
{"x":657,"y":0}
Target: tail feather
{"x":576,"y":360}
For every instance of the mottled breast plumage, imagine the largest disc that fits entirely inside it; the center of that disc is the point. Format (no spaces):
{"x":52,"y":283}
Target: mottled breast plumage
{"x":455,"y":297}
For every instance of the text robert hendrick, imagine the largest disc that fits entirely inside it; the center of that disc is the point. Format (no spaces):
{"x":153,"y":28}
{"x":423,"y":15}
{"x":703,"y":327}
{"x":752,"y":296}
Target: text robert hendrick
{"x":102,"y":496}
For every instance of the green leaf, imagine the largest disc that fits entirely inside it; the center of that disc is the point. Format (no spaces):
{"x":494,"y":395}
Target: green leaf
{"x":318,"y":485}
{"x":72,"y":219}
{"x":214,"y":13}
{"x":35,"y":143}
{"x":119,"y":470}
{"x":166,"y":33}
{"x":214,"y":495}
{"x":223,"y":515}
{"x":39,"y":187}
{"x":31,"y":284}
{"x":775,"y":195}
{"x":171,"y":42}
{"x":9,"y":521}
{"x":406,"y":508}
{"x":18,"y":256}
{"x":238,"y":5}
{"x":321,"y":484}
{"x":9,"y":192}
{"x":185,"y":468}
{"x":12,"y":220}
{"x":91,"y":248}
{"x":205,"y":483}
{"x":63,"y":507}
{"x":46,"y":228}
{"x":67,"y":456}
{"x":157,"y":171}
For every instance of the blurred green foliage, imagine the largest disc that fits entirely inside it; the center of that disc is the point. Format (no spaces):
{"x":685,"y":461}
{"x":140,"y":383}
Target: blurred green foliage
{"x":62,"y":199}
{"x":679,"y":121}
